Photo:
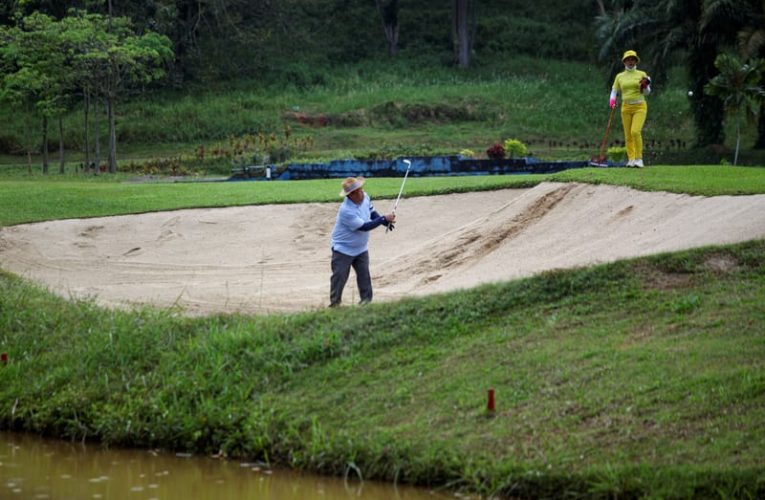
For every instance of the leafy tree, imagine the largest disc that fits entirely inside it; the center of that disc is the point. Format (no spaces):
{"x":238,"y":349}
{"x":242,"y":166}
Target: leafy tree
{"x":108,"y":57}
{"x":462,"y":31}
{"x":48,"y":59}
{"x":751,"y":44}
{"x":738,"y":87}
{"x":37,"y":75}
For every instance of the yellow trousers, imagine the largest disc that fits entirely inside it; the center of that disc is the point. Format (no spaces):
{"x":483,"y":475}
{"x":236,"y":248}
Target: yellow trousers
{"x":633,"y":119}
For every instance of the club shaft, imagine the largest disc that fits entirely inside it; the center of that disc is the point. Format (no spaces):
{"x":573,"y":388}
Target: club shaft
{"x":395,"y":206}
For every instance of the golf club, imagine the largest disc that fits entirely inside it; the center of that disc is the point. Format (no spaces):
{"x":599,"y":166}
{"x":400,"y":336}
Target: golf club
{"x":406,"y":174}
{"x":600,"y":160}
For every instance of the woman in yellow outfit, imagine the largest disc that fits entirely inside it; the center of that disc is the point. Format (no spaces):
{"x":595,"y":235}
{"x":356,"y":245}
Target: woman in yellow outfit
{"x":633,"y":85}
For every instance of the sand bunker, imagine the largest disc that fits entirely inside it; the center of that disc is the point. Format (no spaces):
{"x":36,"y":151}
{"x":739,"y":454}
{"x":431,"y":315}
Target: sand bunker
{"x":272,"y":258}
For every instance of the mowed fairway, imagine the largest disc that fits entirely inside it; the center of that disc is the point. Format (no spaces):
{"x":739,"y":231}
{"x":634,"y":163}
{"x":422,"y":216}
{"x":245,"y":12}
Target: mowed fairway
{"x":272,"y":258}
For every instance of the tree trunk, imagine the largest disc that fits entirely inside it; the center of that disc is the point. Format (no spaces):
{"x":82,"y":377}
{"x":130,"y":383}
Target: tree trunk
{"x":738,"y":141}
{"x":28,"y":134}
{"x":45,"y":145}
{"x":97,"y":120}
{"x":110,"y":112}
{"x":61,"y":158}
{"x":601,"y":8}
{"x":708,"y":111}
{"x":87,"y":131}
{"x":389,"y":16}
{"x":112,"y":135}
{"x":461,"y":32}
{"x":760,"y":142}
{"x":112,"y":158}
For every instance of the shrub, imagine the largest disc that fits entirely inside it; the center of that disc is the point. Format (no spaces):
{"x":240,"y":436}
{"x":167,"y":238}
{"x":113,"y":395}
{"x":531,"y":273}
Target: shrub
{"x":496,"y":152}
{"x":617,"y":153}
{"x":514,"y":147}
{"x":467,"y":153}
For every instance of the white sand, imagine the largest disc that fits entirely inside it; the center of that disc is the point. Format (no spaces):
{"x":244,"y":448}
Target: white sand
{"x":276,"y":258}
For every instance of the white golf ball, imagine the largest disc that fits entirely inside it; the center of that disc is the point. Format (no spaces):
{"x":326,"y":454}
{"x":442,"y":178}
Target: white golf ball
{"x":690,"y":93}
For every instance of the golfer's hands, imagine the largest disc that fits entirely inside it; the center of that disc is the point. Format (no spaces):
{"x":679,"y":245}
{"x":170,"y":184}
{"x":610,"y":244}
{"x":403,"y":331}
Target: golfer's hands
{"x":611,"y":103}
{"x":390,"y":219}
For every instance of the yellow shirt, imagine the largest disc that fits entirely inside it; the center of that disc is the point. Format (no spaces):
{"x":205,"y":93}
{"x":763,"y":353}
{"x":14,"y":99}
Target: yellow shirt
{"x":627,"y":84}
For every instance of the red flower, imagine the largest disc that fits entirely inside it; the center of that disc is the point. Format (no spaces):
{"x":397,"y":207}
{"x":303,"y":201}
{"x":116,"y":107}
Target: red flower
{"x":496,"y":152}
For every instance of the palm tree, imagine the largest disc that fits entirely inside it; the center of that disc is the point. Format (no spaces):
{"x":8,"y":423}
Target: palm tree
{"x":738,"y":87}
{"x":751,"y":43}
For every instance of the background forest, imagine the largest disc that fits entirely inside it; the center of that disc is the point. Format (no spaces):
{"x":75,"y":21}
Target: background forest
{"x":224,"y":39}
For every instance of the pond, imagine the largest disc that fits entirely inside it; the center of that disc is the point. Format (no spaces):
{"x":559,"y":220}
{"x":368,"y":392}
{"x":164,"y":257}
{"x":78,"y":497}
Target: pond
{"x":36,"y":468}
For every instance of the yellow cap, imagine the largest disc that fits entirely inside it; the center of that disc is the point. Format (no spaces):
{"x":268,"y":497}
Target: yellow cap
{"x":630,"y":53}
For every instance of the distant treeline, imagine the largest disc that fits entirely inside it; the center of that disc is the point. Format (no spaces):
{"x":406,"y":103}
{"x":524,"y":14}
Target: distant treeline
{"x":280,"y":39}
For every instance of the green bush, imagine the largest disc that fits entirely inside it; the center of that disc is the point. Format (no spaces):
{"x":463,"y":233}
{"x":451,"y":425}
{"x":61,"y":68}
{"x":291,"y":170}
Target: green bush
{"x":617,"y":153}
{"x":514,"y":147}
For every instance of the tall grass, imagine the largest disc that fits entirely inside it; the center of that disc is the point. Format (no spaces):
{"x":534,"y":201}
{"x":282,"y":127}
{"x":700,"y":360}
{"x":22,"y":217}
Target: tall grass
{"x":643,"y":377}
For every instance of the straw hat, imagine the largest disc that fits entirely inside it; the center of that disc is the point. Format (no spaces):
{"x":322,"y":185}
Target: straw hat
{"x":351,"y":184}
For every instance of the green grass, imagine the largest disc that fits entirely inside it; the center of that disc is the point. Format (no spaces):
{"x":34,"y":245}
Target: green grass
{"x":638,"y":378}
{"x":559,"y":108}
{"x":642,"y":377}
{"x":62,"y":197}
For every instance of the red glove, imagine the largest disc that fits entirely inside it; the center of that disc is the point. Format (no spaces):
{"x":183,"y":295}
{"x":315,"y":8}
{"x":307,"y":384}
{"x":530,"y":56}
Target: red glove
{"x":644,"y":82}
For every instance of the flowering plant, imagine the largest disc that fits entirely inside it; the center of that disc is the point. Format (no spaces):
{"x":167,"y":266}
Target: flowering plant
{"x":496,"y":152}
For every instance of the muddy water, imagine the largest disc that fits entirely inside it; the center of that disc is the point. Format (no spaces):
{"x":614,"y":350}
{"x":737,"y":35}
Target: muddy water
{"x":36,"y":468}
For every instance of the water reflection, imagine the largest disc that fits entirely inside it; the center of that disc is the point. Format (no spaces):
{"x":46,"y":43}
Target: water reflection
{"x":36,"y":468}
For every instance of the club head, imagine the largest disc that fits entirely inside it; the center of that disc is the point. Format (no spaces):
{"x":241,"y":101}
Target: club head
{"x":408,"y":164}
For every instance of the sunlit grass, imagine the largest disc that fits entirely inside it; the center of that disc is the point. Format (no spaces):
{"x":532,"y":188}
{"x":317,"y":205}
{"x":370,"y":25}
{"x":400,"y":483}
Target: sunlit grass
{"x":63,"y":197}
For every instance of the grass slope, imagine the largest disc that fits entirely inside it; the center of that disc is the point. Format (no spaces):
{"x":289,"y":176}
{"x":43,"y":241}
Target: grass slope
{"x":642,"y":377}
{"x":406,"y":103}
{"x":32,"y":200}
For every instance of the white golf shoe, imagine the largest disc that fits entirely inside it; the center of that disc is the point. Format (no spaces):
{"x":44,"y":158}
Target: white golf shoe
{"x":631,"y":163}
{"x":638,"y":163}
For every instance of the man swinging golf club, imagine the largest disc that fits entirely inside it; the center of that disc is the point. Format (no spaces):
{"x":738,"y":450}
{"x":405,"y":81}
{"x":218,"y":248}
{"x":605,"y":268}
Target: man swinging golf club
{"x":633,"y":85}
{"x":350,"y":240}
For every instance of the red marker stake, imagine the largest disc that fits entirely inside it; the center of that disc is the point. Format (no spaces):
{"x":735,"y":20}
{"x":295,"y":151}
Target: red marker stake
{"x":490,"y":403}
{"x":4,"y":358}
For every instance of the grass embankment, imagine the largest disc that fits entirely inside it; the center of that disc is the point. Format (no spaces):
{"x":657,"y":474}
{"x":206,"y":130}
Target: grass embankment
{"x":639,"y":377}
{"x":388,"y":107}
{"x":38,"y":199}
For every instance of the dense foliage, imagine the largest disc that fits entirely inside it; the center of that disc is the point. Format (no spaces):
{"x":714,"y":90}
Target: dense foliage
{"x":217,"y":39}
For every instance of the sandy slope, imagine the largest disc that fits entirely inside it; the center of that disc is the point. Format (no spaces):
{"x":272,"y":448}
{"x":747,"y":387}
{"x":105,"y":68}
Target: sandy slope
{"x":276,"y":257}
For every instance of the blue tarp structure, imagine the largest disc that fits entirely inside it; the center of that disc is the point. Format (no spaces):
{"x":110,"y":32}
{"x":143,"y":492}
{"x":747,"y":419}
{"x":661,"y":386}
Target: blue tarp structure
{"x":421,"y":167}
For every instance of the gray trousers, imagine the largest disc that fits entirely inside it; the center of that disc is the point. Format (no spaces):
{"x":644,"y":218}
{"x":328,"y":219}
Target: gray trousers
{"x":341,"y":269}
